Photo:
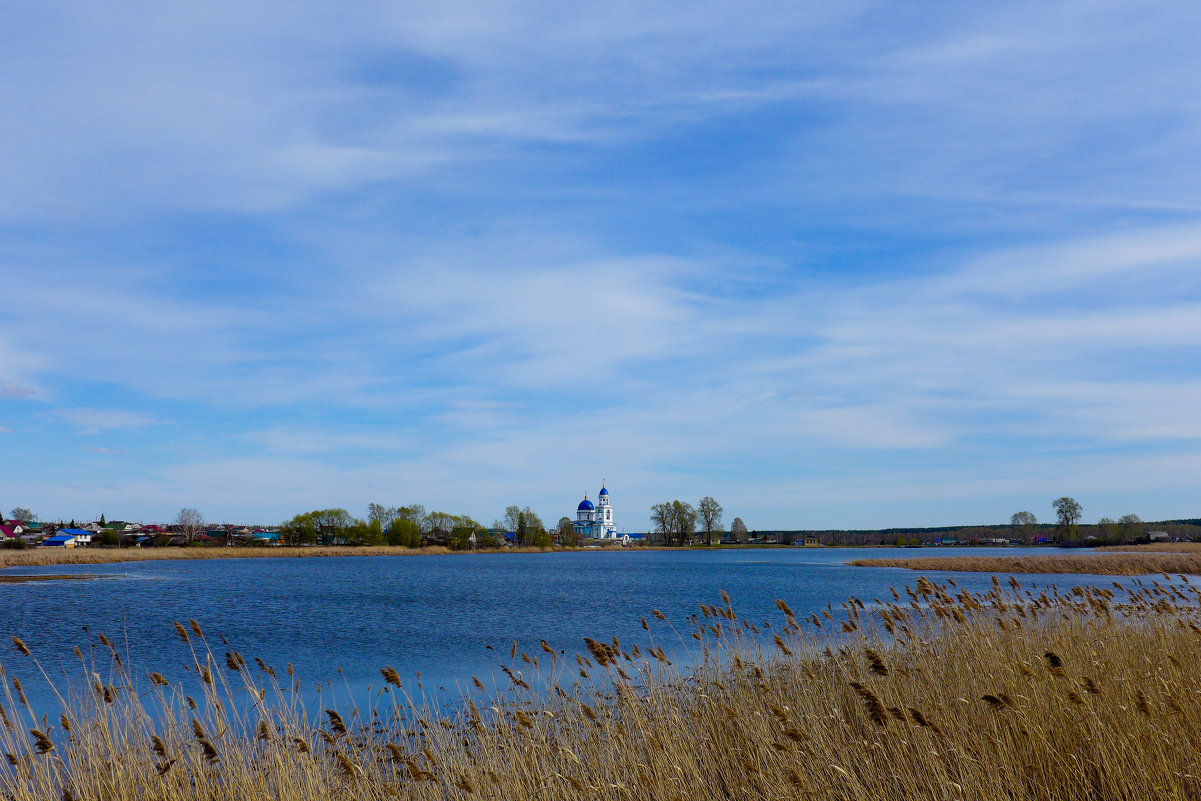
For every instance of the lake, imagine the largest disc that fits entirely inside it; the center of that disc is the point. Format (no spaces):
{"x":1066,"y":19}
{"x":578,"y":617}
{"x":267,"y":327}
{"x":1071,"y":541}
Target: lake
{"x":448,"y":617}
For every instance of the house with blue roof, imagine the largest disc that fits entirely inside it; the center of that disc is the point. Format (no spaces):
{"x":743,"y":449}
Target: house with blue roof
{"x":82,"y":535}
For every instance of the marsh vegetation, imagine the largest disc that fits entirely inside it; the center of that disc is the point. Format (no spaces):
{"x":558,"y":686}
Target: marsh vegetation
{"x":932,"y":692}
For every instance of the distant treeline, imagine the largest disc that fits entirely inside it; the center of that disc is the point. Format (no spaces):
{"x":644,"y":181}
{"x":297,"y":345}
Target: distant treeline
{"x":1102,"y":533}
{"x":412,"y":526}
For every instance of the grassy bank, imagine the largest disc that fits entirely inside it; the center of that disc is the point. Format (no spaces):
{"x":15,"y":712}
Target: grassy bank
{"x":943,"y":695}
{"x":1126,"y":561}
{"x":31,"y":557}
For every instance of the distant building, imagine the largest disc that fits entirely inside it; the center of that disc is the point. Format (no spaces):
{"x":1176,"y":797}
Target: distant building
{"x":595,"y":521}
{"x":60,"y":541}
{"x":810,"y":541}
{"x":82,"y":536}
{"x":1157,"y":536}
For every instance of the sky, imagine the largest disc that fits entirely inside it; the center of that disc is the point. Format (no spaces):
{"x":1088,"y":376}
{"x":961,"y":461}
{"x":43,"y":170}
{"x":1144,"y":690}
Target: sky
{"x":837,"y":265}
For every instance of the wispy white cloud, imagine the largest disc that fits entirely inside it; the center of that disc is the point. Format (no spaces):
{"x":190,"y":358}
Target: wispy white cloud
{"x":93,"y":421}
{"x":386,"y":95}
{"x":451,"y":252}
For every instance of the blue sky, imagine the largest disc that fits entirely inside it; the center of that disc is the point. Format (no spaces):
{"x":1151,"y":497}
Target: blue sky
{"x":838,"y":265}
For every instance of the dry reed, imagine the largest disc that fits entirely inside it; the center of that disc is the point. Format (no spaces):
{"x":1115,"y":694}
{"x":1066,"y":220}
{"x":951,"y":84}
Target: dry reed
{"x":935,"y":694}
{"x":1108,"y":563}
{"x":1157,"y":547}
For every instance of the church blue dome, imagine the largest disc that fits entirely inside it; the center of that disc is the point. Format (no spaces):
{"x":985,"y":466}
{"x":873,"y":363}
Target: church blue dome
{"x":604,"y":491}
{"x":585,"y":506}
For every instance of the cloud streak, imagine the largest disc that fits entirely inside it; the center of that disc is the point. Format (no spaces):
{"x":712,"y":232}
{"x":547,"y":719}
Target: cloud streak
{"x":94,"y":421}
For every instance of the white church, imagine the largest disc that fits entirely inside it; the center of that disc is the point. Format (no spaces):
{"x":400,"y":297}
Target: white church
{"x":595,"y":521}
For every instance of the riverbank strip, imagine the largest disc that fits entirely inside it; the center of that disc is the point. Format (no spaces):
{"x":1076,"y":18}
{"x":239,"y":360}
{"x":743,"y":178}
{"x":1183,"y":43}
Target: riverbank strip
{"x":39,"y":557}
{"x":1125,"y":561}
{"x":1004,"y":695}
{"x":44,"y":557}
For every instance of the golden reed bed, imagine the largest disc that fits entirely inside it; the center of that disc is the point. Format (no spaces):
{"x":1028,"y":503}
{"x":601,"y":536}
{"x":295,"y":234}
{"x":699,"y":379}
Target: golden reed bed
{"x":936,"y":694}
{"x":31,"y":557}
{"x":1127,"y":561}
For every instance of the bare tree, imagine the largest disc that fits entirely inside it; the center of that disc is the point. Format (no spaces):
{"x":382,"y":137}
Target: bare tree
{"x":1024,"y":523}
{"x":1068,"y":512}
{"x":738,"y":531}
{"x":1133,"y":528}
{"x":710,"y":512}
{"x":675,"y":520}
{"x":684,"y":515}
{"x":661,"y":520}
{"x":190,"y":522}
{"x":24,"y":515}
{"x":532,"y":520}
{"x":512,"y":517}
{"x":438,"y":525}
{"x":384,"y":515}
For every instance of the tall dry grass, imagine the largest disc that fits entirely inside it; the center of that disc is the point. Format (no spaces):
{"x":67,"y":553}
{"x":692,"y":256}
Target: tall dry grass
{"x":933,"y":694}
{"x":1157,"y":547}
{"x":1123,"y":563}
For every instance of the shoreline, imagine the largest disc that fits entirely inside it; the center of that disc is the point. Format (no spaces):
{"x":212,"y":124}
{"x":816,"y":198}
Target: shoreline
{"x":45,"y":557}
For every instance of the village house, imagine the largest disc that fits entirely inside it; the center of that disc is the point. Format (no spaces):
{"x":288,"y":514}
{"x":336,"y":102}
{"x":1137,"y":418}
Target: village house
{"x":82,"y":537}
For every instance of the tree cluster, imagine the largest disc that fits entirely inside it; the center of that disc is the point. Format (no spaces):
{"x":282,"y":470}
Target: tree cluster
{"x":1068,"y":511}
{"x":677,"y":520}
{"x":527,"y":526}
{"x":412,"y":527}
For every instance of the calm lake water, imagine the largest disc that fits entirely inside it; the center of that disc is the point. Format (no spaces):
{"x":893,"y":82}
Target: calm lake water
{"x":449,"y":617}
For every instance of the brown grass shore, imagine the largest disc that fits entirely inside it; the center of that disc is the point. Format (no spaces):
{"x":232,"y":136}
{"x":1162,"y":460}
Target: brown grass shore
{"x":938,"y":695}
{"x":1130,"y":560}
{"x":33,"y":557}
